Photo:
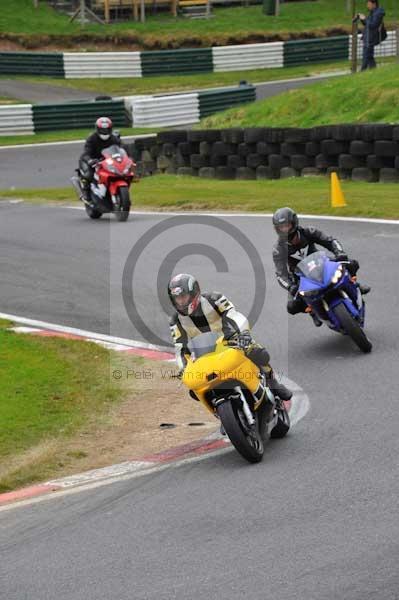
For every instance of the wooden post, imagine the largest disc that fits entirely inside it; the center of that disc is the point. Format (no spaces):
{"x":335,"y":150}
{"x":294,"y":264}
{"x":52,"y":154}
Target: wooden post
{"x":142,"y":11}
{"x":174,"y":8}
{"x":277,"y":11}
{"x":36,"y":3}
{"x":106,"y":11}
{"x":354,"y":38}
{"x":208,"y":8}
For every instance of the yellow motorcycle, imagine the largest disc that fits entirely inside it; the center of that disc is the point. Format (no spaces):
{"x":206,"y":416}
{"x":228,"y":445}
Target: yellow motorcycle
{"x":235,"y":390}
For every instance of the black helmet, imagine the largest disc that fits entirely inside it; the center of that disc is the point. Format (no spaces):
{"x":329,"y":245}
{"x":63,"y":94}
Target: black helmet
{"x":285,"y":222}
{"x":184,"y":293}
{"x":104,"y":128}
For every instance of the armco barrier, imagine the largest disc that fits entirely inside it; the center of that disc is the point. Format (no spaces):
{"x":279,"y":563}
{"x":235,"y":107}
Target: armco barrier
{"x":387,"y":48}
{"x":32,"y":63}
{"x":107,"y":64}
{"x":211,"y":101}
{"x":177,"y":61}
{"x":163,"y":111}
{"x":16,"y":119}
{"x":186,"y":61}
{"x":358,"y":152}
{"x":49,"y":117}
{"x":314,"y":51}
{"x":251,"y":56}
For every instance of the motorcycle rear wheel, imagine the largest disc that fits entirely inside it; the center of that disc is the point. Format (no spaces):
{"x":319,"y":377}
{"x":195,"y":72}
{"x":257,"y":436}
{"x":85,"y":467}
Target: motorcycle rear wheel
{"x":250,"y":448}
{"x":352,"y":328}
{"x":122,"y":214}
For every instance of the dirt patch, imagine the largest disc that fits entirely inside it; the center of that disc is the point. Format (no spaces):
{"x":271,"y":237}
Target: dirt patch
{"x":129,"y":431}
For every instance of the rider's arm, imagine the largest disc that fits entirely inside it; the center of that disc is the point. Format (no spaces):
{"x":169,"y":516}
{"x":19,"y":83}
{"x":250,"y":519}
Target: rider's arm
{"x":90,"y":149}
{"x":180,"y":340}
{"x":318,"y":237}
{"x":280,"y":258}
{"x":232,"y":321}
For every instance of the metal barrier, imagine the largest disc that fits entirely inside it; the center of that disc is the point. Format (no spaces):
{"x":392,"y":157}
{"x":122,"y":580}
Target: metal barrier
{"x":32,"y":63}
{"x":16,"y":119}
{"x":164,"y":62}
{"x":387,"y":48}
{"x":315,"y":51}
{"x":48,"y":117}
{"x":212,"y":101}
{"x":251,"y":56}
{"x":102,"y":64}
{"x":154,"y":111}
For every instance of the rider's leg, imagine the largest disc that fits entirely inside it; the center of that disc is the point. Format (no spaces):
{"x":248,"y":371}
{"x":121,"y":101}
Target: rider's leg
{"x":260,"y":356}
{"x":87,"y":173}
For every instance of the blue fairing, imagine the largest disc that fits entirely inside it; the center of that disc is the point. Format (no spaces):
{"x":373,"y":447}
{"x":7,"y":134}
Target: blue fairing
{"x":316,"y":272}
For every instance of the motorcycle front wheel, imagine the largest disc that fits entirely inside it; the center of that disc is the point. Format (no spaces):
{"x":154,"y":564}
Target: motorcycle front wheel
{"x":122,"y":214}
{"x":249,"y":445}
{"x":92,"y":212}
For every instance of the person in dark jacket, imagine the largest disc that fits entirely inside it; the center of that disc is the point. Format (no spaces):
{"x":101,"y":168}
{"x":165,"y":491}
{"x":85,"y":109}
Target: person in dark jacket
{"x":198,"y":312}
{"x":101,"y":138}
{"x":371,"y":34}
{"x":301,"y":241}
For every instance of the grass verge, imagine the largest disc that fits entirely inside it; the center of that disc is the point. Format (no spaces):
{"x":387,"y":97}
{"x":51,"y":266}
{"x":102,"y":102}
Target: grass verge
{"x":167,"y":83}
{"x":372,"y":96}
{"x":228,"y":25}
{"x":306,"y":195}
{"x":50,"y":389}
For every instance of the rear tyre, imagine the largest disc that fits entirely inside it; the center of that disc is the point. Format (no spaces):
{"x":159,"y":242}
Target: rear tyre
{"x":92,"y":212}
{"x":249,"y":446}
{"x":122,"y":214}
{"x":352,"y":328}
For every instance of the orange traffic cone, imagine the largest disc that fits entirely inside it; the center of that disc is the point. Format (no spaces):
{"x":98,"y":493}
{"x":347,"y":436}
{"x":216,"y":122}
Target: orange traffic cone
{"x":337,"y":196}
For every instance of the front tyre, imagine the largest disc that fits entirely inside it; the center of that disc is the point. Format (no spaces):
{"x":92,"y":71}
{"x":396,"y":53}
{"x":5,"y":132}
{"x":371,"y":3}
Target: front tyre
{"x":352,"y":328}
{"x":122,"y":213}
{"x":249,"y":445}
{"x":92,"y":212}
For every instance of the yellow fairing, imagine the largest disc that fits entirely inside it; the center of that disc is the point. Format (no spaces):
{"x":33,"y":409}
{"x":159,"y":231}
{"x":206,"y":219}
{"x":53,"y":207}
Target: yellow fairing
{"x":224,"y":364}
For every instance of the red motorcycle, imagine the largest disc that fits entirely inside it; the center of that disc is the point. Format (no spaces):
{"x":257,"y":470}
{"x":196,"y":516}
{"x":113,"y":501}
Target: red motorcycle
{"x":109,"y":190}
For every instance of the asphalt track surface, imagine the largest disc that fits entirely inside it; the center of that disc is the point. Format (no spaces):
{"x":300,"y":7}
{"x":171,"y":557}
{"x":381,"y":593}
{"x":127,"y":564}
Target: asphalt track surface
{"x":316,"y":520}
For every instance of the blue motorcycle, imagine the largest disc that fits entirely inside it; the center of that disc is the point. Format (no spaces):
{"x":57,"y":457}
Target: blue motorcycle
{"x":327,"y":288}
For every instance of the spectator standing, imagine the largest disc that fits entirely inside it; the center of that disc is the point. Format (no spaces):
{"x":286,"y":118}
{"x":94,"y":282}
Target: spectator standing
{"x":371,"y":34}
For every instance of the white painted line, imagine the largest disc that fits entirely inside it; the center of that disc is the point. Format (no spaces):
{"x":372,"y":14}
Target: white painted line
{"x":252,"y":215}
{"x":82,"y":333}
{"x":41,"y":144}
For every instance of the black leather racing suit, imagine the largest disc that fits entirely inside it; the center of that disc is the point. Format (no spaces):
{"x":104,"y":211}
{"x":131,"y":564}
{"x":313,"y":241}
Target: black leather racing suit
{"x":216,"y":313}
{"x":287,"y":254}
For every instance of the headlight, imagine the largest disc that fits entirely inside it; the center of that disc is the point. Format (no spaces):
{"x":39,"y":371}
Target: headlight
{"x":337,"y":275}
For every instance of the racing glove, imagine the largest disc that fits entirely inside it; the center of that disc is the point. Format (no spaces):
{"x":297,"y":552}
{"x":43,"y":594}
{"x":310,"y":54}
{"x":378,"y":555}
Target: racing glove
{"x":242,"y":340}
{"x":293,"y":289}
{"x":341,"y":256}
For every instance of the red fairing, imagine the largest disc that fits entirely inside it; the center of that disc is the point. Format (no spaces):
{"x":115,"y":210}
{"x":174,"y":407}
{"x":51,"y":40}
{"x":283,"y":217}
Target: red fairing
{"x":115,"y":170}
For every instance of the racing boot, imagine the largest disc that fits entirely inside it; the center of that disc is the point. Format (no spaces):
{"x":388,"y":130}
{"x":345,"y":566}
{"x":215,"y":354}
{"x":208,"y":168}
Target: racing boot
{"x":316,"y":320}
{"x":277,"y":387}
{"x":363,"y":289}
{"x":85,"y":187}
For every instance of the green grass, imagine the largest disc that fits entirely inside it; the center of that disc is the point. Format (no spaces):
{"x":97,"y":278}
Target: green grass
{"x":50,"y":389}
{"x":20,"y":17}
{"x":369,"y":97}
{"x":306,"y":195}
{"x":168,"y":83}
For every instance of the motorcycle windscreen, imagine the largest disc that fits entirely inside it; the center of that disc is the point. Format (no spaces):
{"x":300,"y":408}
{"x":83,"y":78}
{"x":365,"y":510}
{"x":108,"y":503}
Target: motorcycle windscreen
{"x":203,"y":344}
{"x":113,"y":152}
{"x":312,"y":267}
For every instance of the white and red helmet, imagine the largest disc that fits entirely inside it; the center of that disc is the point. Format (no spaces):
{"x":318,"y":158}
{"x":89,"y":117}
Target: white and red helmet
{"x":104,"y":128}
{"x":184,"y":293}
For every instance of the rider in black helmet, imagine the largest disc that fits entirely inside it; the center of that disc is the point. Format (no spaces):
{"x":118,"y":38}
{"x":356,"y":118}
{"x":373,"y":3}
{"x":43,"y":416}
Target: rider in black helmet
{"x":101,"y":138}
{"x":300,"y":241}
{"x":198,"y":312}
